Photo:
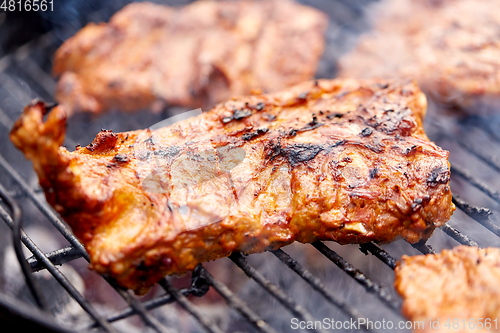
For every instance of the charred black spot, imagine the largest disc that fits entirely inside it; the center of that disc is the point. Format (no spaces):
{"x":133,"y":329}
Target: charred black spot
{"x":294,"y":153}
{"x":338,"y":143}
{"x":260,"y":106}
{"x":314,"y":121}
{"x":367,"y":131}
{"x":376,"y":147}
{"x":311,"y":125}
{"x":274,"y":150}
{"x":335,"y":115}
{"x":416,"y":203}
{"x":373,"y":173}
{"x":141,"y":266}
{"x":440,"y":175}
{"x":299,"y":153}
{"x":114,"y":84}
{"x":226,"y":120}
{"x":412,"y":150}
{"x":151,"y":140}
{"x":292,"y":133}
{"x":121,"y":158}
{"x":268,"y":117}
{"x":347,"y":159}
{"x":258,"y":132}
{"x":241,"y":113}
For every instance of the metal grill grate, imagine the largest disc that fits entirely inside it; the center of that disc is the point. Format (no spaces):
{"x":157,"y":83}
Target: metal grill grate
{"x":201,"y":281}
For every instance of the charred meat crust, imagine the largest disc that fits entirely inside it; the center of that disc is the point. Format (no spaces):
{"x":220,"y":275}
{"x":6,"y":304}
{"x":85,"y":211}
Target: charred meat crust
{"x":165,"y":200}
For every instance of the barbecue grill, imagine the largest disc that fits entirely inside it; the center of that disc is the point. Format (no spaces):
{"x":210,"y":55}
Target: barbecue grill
{"x":261,"y":292}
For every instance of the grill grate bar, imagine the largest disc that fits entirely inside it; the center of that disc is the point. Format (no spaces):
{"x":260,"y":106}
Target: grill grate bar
{"x":65,"y":283}
{"x":357,"y":275}
{"x":57,"y":257}
{"x":4,"y":62}
{"x":423,"y":247}
{"x":140,"y":310}
{"x":207,"y":323}
{"x":317,"y":284}
{"x":237,"y":304}
{"x":148,"y":305}
{"x":480,"y":214}
{"x":457,"y":235}
{"x":17,"y":236}
{"x":274,"y":290}
{"x":4,"y":119}
{"x":474,"y":121}
{"x":379,"y":253}
{"x":466,"y":174}
{"x":199,"y":287}
{"x":44,"y":80}
{"x":467,"y":146}
{"x":23,"y":51}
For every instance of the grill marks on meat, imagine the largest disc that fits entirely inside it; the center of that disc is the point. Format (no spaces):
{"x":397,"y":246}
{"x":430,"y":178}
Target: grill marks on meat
{"x":461,"y":283}
{"x":200,"y":189}
{"x":150,"y":55}
{"x":451,"y":47}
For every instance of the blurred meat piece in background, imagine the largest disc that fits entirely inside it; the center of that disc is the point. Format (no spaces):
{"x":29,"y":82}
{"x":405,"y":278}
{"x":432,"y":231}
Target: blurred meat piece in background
{"x":452,"y":47}
{"x":150,"y":56}
{"x":457,"y":284}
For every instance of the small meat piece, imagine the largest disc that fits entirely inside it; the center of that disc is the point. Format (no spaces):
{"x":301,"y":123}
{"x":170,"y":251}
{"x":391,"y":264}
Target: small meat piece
{"x":150,"y":55}
{"x":455,"y":285}
{"x":451,"y":47}
{"x":254,"y":173}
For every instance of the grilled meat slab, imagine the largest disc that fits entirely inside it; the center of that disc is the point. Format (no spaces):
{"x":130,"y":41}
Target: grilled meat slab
{"x":451,"y":47}
{"x":149,"y":55}
{"x":341,"y":160}
{"x":462,"y":283}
